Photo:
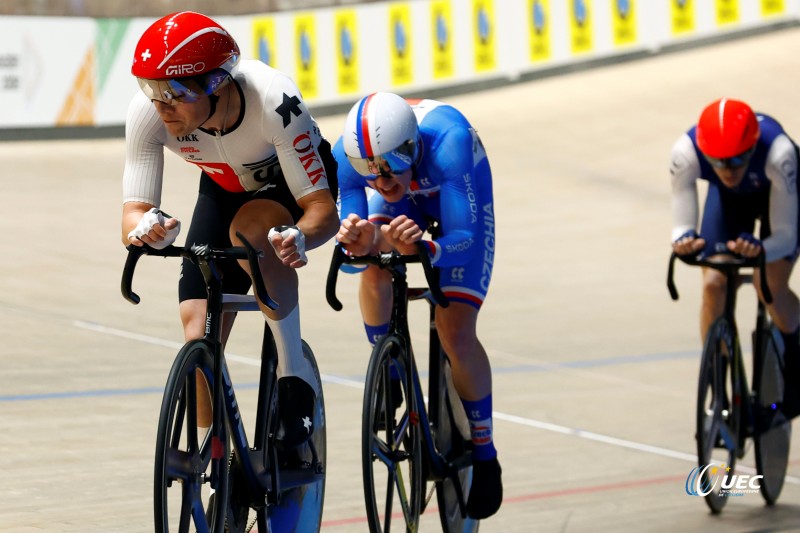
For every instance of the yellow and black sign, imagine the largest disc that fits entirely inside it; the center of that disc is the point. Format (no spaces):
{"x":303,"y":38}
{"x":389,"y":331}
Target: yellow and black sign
{"x":772,"y":7}
{"x":683,"y":17}
{"x":442,"y":39}
{"x":624,"y":22}
{"x":401,"y":43}
{"x":484,"y":34}
{"x":539,"y":30}
{"x":265,"y":41}
{"x":346,"y":51}
{"x":727,"y":12}
{"x":580,"y":22}
{"x":305,"y":54}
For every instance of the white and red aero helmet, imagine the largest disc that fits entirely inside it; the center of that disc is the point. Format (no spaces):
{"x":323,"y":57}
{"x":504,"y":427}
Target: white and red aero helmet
{"x":381,"y":126}
{"x":185,"y":45}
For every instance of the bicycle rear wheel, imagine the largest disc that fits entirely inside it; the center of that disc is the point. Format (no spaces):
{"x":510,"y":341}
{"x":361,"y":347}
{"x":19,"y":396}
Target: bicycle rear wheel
{"x":451,"y":436}
{"x":773,"y":431}
{"x":188,"y":463}
{"x":391,"y":452}
{"x":719,"y":415}
{"x":300,"y":508}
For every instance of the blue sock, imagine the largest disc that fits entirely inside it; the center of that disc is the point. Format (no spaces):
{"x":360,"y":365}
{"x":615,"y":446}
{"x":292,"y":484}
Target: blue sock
{"x":479,"y":414}
{"x":373,"y":334}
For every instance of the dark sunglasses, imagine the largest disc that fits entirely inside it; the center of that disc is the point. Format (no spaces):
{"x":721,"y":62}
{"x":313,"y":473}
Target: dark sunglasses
{"x":736,"y":161}
{"x":398,"y":160}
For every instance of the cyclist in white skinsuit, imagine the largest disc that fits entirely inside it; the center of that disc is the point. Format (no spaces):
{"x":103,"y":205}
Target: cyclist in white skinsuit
{"x":750,"y":165}
{"x":265,"y":172}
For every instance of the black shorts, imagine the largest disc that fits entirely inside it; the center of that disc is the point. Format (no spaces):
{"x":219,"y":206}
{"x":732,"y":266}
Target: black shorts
{"x":211,"y":222}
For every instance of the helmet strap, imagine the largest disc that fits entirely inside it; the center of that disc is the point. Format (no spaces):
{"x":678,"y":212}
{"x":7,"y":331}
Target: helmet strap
{"x":212,"y":99}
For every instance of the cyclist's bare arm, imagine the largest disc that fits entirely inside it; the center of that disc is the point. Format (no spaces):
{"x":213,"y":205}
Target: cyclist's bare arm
{"x":320,"y":219}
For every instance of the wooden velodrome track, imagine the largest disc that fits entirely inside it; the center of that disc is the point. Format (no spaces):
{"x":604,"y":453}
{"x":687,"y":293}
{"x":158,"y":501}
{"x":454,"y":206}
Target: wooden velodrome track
{"x":595,"y":367}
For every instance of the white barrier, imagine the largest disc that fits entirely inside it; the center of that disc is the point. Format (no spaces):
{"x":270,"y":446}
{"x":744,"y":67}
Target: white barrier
{"x":76,"y":71}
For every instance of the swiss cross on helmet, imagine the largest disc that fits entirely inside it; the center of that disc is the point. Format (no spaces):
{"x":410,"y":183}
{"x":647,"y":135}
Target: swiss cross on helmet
{"x":183,"y":55}
{"x":727,"y":133}
{"x":381,"y":127}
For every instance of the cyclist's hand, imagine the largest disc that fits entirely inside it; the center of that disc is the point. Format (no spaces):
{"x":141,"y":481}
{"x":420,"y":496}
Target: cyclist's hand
{"x":745,"y":245}
{"x":688,"y":244}
{"x":156,"y":229}
{"x":357,"y":235}
{"x":289,"y":244}
{"x":402,"y":232}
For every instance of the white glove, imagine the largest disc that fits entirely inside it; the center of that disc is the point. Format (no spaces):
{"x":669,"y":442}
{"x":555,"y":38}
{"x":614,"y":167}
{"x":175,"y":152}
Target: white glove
{"x":145,"y":225}
{"x":299,"y":240}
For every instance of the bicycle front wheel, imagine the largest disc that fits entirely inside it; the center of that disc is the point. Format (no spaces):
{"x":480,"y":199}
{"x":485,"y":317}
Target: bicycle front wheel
{"x":189,"y":463}
{"x":452,"y":437}
{"x":719,"y":413}
{"x":773,"y":431}
{"x":391,"y":450}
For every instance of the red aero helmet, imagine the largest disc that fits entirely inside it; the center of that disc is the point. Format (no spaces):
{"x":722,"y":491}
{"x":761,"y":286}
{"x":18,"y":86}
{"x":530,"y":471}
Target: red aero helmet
{"x":727,"y":128}
{"x":181,"y":45}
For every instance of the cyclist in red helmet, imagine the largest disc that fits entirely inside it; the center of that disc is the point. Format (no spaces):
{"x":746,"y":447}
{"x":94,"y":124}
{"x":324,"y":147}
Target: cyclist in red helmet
{"x":750,"y":164}
{"x":265,"y":171}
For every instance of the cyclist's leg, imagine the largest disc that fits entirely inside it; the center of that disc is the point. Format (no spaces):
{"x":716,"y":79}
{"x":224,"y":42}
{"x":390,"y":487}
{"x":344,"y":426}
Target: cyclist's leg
{"x":375,"y":288}
{"x":297,"y":383}
{"x":466,"y":286}
{"x":785,"y":313}
{"x":210,"y":220}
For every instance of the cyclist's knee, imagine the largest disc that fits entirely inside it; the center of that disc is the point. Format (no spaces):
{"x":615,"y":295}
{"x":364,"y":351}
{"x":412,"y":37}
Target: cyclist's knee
{"x":193,"y":319}
{"x":714,"y":285}
{"x":376,"y":283}
{"x":255,"y":218}
{"x":457,"y":329}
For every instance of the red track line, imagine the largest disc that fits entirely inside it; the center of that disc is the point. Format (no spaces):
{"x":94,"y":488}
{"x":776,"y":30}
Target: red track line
{"x":535,"y":496}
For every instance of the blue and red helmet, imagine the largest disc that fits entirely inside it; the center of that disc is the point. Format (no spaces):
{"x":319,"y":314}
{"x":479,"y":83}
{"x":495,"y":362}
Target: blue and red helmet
{"x":381,"y":127}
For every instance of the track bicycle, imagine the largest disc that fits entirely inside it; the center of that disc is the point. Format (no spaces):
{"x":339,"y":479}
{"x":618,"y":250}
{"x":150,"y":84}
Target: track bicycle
{"x":216,"y":480}
{"x":729,"y":411}
{"x":405,"y":445}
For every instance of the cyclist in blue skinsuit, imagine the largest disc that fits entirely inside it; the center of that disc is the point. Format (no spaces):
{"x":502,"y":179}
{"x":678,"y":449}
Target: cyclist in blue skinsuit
{"x":750,"y":164}
{"x":422,"y":162}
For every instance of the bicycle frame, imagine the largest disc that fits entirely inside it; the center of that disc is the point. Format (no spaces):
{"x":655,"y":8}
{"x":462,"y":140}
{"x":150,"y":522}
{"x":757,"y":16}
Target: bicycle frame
{"x":259,"y":475}
{"x":437,"y":466}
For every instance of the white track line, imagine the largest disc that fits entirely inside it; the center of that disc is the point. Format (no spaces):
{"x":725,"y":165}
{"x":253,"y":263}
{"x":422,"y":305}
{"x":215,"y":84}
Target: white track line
{"x":555,"y":428}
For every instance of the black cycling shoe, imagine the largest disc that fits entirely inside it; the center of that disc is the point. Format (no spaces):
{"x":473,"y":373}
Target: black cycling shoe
{"x":486,"y":493}
{"x":296,"y":404}
{"x":791,"y":388}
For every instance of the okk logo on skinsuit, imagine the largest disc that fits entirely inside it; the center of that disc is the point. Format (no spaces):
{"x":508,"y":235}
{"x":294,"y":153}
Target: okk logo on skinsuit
{"x":703,"y":480}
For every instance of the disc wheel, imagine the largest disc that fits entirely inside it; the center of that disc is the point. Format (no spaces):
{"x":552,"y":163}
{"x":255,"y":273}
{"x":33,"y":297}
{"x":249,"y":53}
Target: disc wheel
{"x":774,"y":431}
{"x":451,"y":436}
{"x":300,"y":508}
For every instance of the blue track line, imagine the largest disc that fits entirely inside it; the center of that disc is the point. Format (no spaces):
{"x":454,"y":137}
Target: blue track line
{"x":609,"y":361}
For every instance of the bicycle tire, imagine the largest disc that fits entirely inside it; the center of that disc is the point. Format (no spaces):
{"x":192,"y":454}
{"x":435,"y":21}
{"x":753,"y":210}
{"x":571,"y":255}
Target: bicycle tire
{"x":719,"y":414}
{"x":390,"y":445}
{"x":773,"y":431}
{"x":451,"y":436}
{"x":184,"y":461}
